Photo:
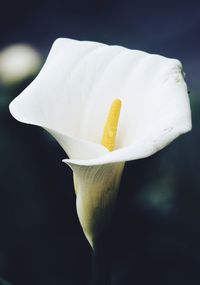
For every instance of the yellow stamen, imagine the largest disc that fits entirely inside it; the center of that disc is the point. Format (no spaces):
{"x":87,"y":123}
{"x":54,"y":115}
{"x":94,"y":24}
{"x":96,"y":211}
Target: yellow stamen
{"x":110,"y":129}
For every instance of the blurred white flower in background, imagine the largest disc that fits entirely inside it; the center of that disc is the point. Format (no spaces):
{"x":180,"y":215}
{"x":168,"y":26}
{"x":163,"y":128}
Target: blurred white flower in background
{"x":18,"y":62}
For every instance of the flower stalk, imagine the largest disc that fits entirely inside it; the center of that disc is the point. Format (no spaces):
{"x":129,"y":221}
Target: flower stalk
{"x":100,"y":265}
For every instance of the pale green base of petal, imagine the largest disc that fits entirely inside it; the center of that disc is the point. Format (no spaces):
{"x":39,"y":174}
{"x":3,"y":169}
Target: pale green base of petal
{"x":96,"y":189}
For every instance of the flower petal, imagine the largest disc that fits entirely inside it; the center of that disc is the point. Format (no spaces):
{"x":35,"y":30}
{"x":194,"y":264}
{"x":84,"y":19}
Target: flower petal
{"x":71,"y":95}
{"x":77,"y":148}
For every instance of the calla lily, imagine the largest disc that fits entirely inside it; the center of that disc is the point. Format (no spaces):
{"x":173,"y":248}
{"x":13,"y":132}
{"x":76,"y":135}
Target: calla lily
{"x":70,"y":98}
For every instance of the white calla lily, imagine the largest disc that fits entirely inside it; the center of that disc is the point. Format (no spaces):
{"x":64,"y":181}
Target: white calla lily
{"x":70,"y":98}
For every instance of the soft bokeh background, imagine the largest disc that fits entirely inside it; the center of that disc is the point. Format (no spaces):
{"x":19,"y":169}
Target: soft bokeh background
{"x":154,"y":237}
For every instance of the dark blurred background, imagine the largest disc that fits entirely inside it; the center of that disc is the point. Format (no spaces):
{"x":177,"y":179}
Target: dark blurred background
{"x":154,"y":237}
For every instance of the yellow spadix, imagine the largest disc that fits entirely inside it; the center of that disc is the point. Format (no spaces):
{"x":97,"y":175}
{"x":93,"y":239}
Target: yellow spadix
{"x":110,"y":129}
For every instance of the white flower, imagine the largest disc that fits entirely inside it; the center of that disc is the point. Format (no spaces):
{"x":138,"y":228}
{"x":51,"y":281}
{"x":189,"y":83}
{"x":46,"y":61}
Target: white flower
{"x":18,"y":62}
{"x":70,"y":98}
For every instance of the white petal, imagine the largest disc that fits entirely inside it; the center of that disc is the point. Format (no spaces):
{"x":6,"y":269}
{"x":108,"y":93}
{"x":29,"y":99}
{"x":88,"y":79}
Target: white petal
{"x":96,"y":190}
{"x":77,"y":148}
{"x":73,"y":92}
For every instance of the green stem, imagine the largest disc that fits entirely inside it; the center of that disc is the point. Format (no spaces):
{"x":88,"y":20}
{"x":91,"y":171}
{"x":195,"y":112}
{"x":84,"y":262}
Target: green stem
{"x":100,"y":268}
